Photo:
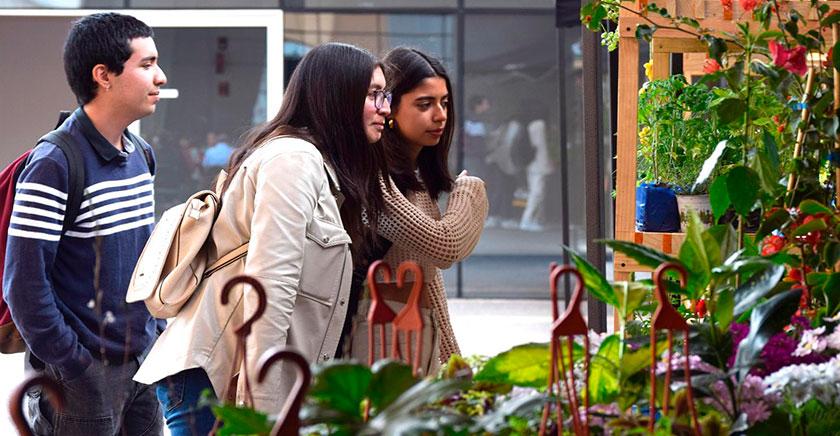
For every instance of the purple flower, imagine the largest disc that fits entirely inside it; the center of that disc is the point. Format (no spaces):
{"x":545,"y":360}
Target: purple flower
{"x":779,"y":350}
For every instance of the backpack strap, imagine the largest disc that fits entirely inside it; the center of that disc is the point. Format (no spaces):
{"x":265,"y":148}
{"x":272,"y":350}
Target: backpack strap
{"x":75,"y":172}
{"x":147,"y":152}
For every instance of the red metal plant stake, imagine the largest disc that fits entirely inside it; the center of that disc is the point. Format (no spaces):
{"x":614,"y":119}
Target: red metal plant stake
{"x":569,"y":325}
{"x":379,"y":313}
{"x":56,"y":398}
{"x":409,"y":320}
{"x":244,"y":330}
{"x":667,"y":318}
{"x":288,"y":421}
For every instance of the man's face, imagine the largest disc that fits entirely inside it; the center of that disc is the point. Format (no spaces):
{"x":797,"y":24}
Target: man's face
{"x":137,"y":90}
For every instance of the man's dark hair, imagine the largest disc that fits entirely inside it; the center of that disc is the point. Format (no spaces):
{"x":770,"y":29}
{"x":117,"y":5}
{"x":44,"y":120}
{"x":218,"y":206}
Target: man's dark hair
{"x":408,"y":67}
{"x":324,"y":103}
{"x":99,"y":39}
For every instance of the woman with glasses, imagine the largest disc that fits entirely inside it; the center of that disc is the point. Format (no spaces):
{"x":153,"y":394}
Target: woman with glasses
{"x":296,"y":193}
{"x":417,"y":143}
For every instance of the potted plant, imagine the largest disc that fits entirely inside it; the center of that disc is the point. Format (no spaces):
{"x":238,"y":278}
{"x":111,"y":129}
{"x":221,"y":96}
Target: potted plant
{"x":677,"y":132}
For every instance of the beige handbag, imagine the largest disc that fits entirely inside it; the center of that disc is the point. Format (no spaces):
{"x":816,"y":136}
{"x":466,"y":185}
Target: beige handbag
{"x":174,"y":261}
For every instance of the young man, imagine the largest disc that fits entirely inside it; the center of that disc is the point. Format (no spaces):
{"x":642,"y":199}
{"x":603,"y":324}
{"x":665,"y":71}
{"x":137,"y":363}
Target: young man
{"x":66,"y":287}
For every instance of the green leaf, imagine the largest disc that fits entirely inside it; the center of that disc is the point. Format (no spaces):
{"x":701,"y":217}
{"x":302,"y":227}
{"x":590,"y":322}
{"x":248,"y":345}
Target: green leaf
{"x":830,"y":19}
{"x":596,"y":284}
{"x":341,"y":386}
{"x":757,"y":287}
{"x":727,"y":241}
{"x":731,"y":109}
{"x":743,"y":185}
{"x":645,"y":32}
{"x":241,"y":421}
{"x":710,"y":164}
{"x":425,"y":392}
{"x":811,"y":226}
{"x":719,"y":197}
{"x":694,"y":255}
{"x":631,"y":295}
{"x":767,"y":319}
{"x":717,"y":46}
{"x":768,"y":174}
{"x":646,"y":256}
{"x":832,"y":294}
{"x":836,"y":59}
{"x":831,"y":252}
{"x":390,"y":379}
{"x":604,"y":373}
{"x":724,"y":306}
{"x":773,"y":222}
{"x":812,"y":207}
{"x":523,"y":365}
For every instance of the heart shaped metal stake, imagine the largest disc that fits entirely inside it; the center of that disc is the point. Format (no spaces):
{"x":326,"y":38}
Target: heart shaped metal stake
{"x":667,"y":318}
{"x":56,"y":398}
{"x":571,"y":324}
{"x":244,"y":330}
{"x":409,"y":321}
{"x":288,"y":421}
{"x":379,"y":313}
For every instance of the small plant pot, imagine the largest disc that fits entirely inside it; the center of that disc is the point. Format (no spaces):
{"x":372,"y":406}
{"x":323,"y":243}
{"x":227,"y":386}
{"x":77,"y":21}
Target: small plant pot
{"x":697,"y":203}
{"x":656,"y":209}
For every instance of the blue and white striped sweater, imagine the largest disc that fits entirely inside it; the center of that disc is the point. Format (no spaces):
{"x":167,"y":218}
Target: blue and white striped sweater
{"x":51,"y":280}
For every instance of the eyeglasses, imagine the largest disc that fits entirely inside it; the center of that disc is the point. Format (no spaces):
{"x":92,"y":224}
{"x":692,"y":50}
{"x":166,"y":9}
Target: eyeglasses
{"x":379,"y":96}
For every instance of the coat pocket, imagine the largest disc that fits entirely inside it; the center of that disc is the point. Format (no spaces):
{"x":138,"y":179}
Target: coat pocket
{"x":324,"y":253}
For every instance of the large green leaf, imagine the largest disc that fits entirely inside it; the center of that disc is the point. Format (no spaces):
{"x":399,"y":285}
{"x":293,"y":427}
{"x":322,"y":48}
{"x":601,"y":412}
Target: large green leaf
{"x":695,"y":254}
{"x":724,"y":306}
{"x":390,"y":379}
{"x":634,"y":361}
{"x":767,"y":319}
{"x":743,"y":186}
{"x":596,"y":284}
{"x":731,"y":109}
{"x":341,"y":387}
{"x":832,"y":293}
{"x":811,"y":226}
{"x":727,"y":242}
{"x":425,"y":392}
{"x":757,"y":287}
{"x":241,"y":421}
{"x":719,"y":197}
{"x":523,"y":365}
{"x":631,"y":295}
{"x":812,"y":207}
{"x":604,"y":371}
{"x":646,"y":256}
{"x":710,"y":164}
{"x":768,"y":174}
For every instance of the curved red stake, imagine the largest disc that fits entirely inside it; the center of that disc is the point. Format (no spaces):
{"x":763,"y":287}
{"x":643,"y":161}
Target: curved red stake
{"x":288,"y":421}
{"x":667,"y":318}
{"x":242,"y":331}
{"x":379,"y":313}
{"x":56,"y":398}
{"x":569,"y":325}
{"x":409,"y":320}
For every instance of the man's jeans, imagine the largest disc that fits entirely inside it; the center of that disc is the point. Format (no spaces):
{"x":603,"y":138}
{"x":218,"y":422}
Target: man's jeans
{"x":180,"y":396}
{"x":104,"y":400}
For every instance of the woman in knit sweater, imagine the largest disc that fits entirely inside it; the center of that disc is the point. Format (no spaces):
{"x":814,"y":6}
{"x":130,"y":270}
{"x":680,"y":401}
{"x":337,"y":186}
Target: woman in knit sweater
{"x":417,"y":141}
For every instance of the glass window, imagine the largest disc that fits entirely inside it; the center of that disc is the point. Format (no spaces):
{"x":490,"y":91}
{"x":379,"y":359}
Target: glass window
{"x":370,"y":4}
{"x":513,"y":141}
{"x":530,"y":4}
{"x":61,"y":4}
{"x":204,"y":4}
{"x":219,"y":75}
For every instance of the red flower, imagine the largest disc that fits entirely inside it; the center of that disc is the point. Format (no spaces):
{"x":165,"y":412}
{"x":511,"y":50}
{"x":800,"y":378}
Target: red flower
{"x":812,"y":238}
{"x":711,"y":66}
{"x":748,"y":5}
{"x":792,"y":60}
{"x":700,"y":308}
{"x":727,"y":4}
{"x":772,"y":245}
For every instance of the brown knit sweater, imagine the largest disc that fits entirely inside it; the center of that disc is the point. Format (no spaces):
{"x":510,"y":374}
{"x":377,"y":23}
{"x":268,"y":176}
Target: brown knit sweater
{"x":418,"y":231}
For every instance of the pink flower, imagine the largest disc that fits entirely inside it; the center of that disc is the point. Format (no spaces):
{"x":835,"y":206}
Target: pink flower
{"x":811,"y":342}
{"x":792,"y":60}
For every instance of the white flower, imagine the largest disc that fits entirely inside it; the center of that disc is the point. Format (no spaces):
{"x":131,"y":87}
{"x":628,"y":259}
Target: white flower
{"x":833,"y":340}
{"x":801,"y":383}
{"x":811,"y":342}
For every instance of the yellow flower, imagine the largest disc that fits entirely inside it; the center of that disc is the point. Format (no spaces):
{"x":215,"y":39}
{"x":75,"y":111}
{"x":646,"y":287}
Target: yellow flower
{"x":649,"y":70}
{"x":644,"y":136}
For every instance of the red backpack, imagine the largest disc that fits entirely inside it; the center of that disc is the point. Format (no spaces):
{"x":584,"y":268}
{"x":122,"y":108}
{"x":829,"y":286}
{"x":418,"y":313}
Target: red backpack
{"x":10,"y":340}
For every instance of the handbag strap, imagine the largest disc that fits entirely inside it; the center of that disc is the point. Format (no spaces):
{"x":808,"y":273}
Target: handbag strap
{"x":236,"y":254}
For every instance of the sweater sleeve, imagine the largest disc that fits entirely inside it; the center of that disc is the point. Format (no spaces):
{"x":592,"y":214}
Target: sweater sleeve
{"x":35,"y":229}
{"x":442,"y":242}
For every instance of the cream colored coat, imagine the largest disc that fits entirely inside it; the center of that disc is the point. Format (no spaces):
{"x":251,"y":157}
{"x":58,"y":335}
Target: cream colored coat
{"x":279,"y":200}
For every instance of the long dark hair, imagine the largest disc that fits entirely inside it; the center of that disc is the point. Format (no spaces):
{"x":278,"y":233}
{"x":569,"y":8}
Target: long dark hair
{"x":407,"y":68}
{"x":323,"y":104}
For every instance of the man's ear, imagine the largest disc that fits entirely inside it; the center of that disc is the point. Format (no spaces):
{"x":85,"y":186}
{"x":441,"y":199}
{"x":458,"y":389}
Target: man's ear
{"x":101,"y":76}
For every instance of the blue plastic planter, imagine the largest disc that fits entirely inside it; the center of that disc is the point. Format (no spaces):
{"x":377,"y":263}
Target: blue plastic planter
{"x":656,"y":209}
